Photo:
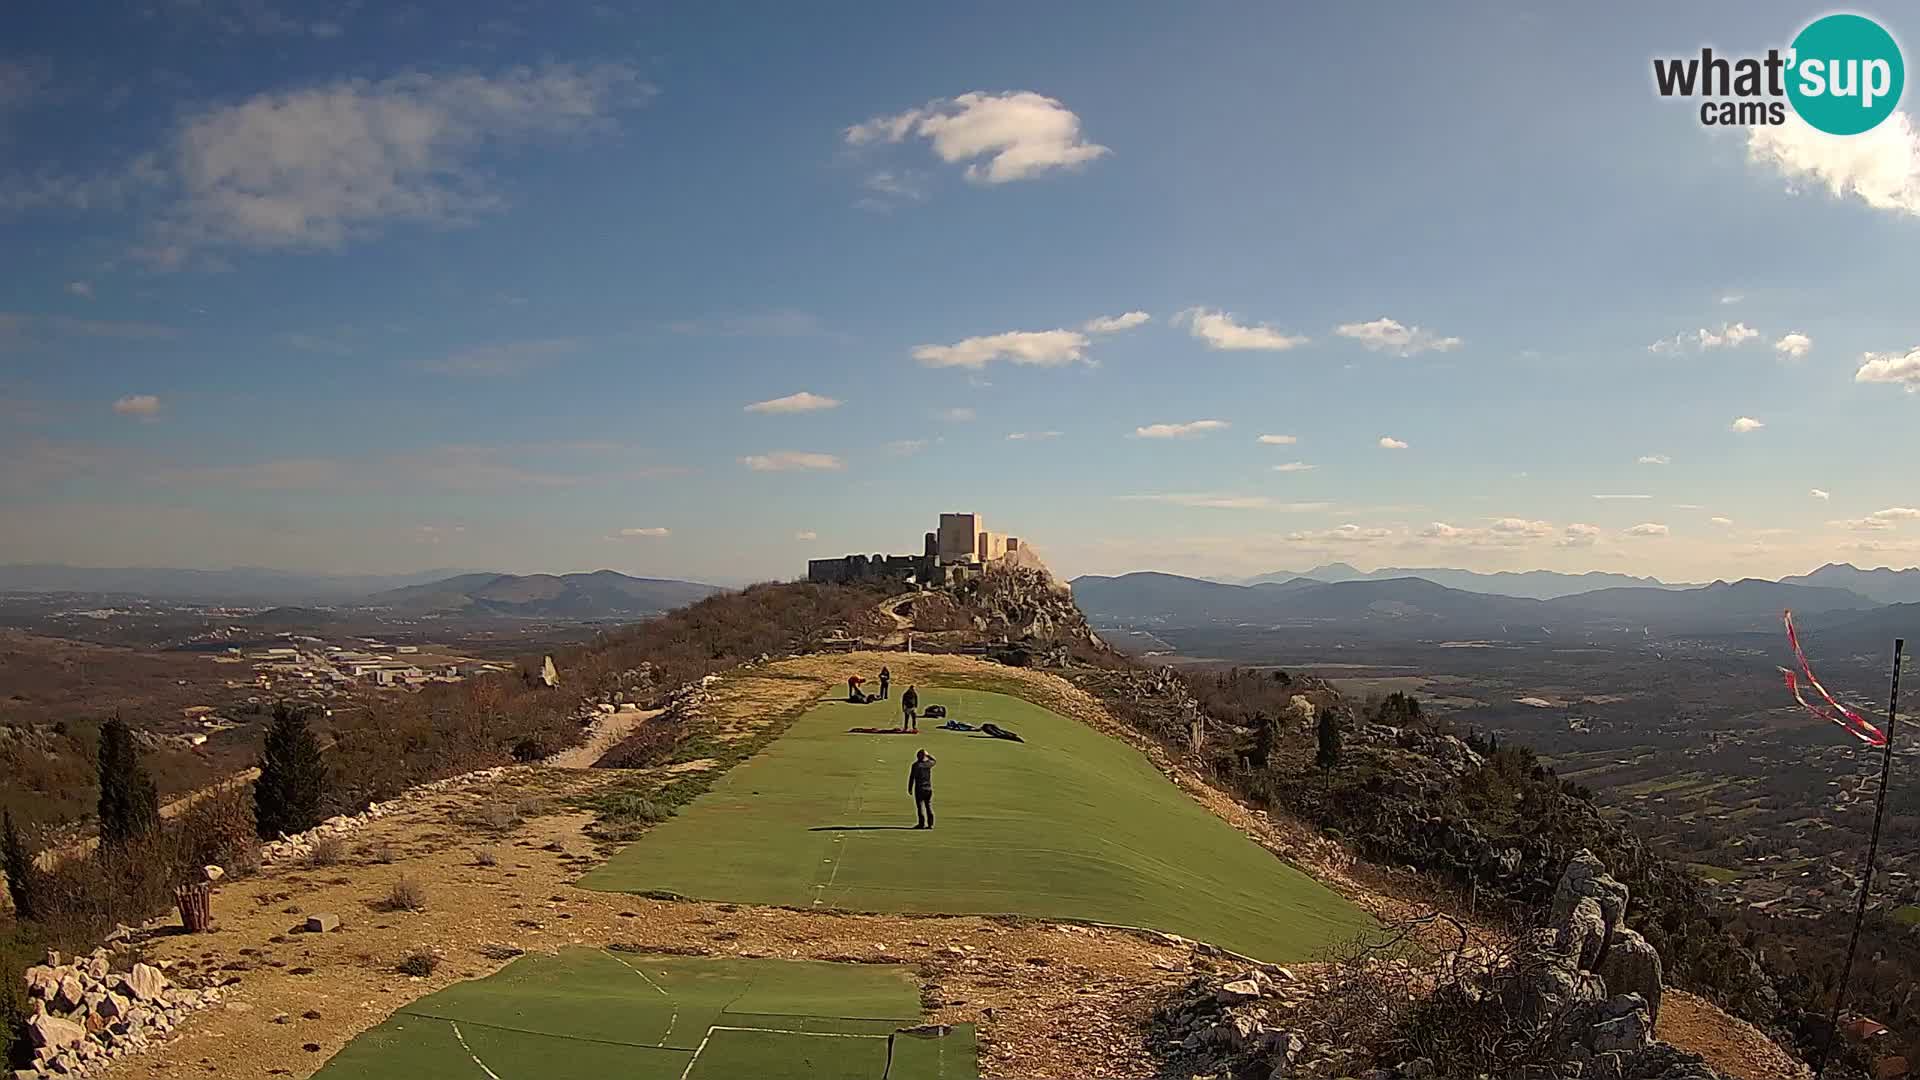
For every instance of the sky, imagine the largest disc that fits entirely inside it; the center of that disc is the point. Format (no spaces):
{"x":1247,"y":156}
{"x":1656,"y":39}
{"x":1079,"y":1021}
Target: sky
{"x":704,"y":291}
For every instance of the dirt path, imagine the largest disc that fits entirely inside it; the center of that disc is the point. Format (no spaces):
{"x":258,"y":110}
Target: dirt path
{"x":607,"y":732}
{"x":1733,"y":1046}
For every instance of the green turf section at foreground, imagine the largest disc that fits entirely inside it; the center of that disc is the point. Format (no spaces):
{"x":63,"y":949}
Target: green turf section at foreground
{"x":1069,"y":825}
{"x":586,"y":1014}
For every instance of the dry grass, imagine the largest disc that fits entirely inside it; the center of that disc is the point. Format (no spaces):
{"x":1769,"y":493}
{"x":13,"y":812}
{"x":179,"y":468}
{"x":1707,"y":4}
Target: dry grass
{"x":407,"y":894}
{"x":327,"y":851}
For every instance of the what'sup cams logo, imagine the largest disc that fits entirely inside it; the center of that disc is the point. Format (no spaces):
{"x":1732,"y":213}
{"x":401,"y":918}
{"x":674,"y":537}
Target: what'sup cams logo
{"x":1843,"y":74}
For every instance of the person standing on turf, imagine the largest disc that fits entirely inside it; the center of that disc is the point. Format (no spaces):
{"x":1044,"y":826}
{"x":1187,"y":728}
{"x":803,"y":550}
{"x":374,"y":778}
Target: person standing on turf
{"x":920,"y":783}
{"x":886,"y":680}
{"x":909,"y":702}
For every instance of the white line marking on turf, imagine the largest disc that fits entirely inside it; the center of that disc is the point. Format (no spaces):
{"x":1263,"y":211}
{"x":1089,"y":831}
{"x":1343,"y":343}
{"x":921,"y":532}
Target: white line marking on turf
{"x":469,"y":1050}
{"x":698,"y":1050}
{"x":672,"y":1020}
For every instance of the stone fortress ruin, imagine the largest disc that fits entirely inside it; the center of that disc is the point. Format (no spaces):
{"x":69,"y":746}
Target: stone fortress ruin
{"x":959,"y":549}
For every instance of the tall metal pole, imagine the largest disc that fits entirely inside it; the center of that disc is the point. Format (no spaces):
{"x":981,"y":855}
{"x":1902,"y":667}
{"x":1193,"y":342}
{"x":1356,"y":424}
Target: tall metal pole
{"x":1866,"y":875}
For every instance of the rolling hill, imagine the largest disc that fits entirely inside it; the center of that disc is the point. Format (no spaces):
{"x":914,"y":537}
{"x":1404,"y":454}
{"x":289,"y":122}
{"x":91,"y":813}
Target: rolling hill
{"x":1412,"y":603}
{"x":1528,"y":584}
{"x":600,"y":594}
{"x":1883,"y":584}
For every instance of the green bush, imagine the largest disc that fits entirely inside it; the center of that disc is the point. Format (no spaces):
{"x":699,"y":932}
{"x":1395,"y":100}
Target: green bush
{"x":290,"y":796}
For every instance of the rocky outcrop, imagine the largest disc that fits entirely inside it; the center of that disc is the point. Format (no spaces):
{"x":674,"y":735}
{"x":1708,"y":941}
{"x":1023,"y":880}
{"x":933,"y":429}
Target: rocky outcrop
{"x":1577,"y":997}
{"x":83,"y":1015}
{"x":1024,"y":604}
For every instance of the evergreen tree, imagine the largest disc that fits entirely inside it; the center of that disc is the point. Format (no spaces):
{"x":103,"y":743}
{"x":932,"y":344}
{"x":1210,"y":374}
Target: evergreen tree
{"x":18,"y":863}
{"x":129,"y":803}
{"x":1329,"y":734}
{"x":291,"y":793}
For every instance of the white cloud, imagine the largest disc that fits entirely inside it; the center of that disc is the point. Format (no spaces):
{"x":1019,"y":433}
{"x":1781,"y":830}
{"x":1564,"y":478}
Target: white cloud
{"x":1180,"y":431}
{"x":1729,"y":336}
{"x":1819,"y":494}
{"x":503,"y":359}
{"x":648,"y":533}
{"x":1226,"y":501}
{"x":1019,"y":134}
{"x":1881,"y":167}
{"x":1294,"y":466}
{"x":1721,"y":520}
{"x":1903,"y":370}
{"x":1880,"y":520}
{"x":959,"y":414}
{"x":1389,"y":335}
{"x":1341,"y":534}
{"x":791,"y":461}
{"x":317,"y":167}
{"x":1113,"y":324}
{"x":1388,"y":442}
{"x":1732,"y":298}
{"x":1745,"y":424}
{"x":1040,"y":348}
{"x":81,"y":289}
{"x":1648,"y":528}
{"x":794,"y":403}
{"x":906,"y":447}
{"x":1794,"y":345}
{"x":1500,"y":532}
{"x":1655,"y":459}
{"x":145,"y":406}
{"x":1605,"y":498}
{"x":1688,"y":506}
{"x":1579,"y":534}
{"x":806,"y":536}
{"x":1219,"y":331}
{"x":1032,"y":436}
{"x":1277,"y":440}
{"x":889,"y":188}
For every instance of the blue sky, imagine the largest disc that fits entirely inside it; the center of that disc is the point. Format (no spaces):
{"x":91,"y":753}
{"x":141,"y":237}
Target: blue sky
{"x":384,"y":287}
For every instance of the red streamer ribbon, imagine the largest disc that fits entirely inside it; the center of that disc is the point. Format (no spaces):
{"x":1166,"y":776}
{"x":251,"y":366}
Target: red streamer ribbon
{"x":1858,"y":726}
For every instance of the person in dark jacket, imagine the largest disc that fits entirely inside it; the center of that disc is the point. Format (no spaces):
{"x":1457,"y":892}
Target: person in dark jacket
{"x":920,"y":783}
{"x":886,"y":680}
{"x":909,"y":716}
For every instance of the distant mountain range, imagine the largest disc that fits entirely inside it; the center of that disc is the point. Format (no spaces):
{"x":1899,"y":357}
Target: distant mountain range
{"x":246,"y":585}
{"x":1419,"y":605}
{"x":601,"y":594}
{"x":1529,"y":584}
{"x":1881,"y":585}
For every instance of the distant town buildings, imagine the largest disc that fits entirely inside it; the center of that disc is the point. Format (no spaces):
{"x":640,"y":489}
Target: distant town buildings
{"x":960,"y":547}
{"x":316,"y":669}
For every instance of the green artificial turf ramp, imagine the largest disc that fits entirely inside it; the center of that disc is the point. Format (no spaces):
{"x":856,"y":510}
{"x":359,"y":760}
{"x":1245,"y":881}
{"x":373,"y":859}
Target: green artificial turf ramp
{"x":1069,"y":824}
{"x":586,"y":1014}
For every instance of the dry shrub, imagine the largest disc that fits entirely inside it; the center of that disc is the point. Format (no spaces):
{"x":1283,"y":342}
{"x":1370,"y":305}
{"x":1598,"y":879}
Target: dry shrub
{"x":406,"y":895}
{"x":421,"y":962}
{"x":485,"y":857}
{"x":327,"y":851}
{"x":494,"y":951}
{"x":218,"y":830}
{"x":381,"y":852}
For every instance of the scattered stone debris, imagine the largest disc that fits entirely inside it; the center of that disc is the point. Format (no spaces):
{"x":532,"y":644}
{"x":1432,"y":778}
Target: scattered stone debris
{"x":83,"y":1015}
{"x":300,"y":846}
{"x":323,"y":923}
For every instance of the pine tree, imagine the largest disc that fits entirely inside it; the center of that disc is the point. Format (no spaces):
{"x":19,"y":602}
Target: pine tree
{"x":1329,"y":734}
{"x":291,"y":793}
{"x":18,"y":863}
{"x":129,"y":803}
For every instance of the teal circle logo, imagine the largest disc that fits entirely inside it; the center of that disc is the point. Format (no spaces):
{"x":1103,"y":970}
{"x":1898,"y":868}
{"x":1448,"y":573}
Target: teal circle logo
{"x":1846,"y":74}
